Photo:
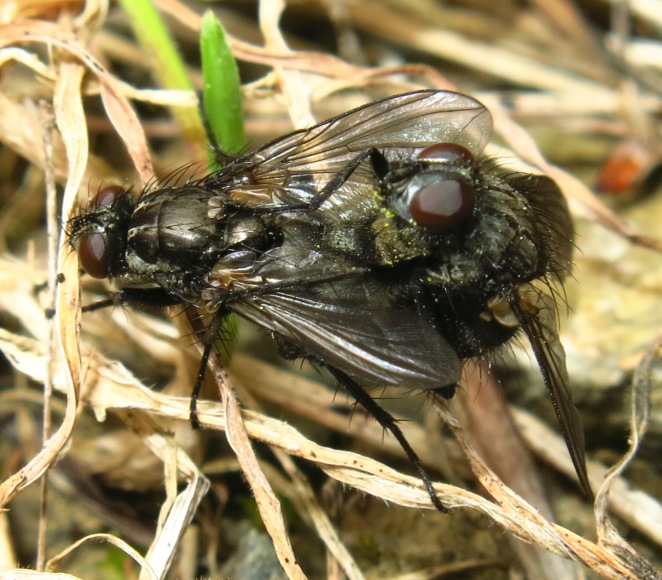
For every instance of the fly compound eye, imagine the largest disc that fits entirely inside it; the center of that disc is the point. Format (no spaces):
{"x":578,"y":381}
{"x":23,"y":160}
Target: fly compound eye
{"x":442,"y":205}
{"x":448,"y":153}
{"x":93,"y":254}
{"x":439,"y":204}
{"x":107,"y":196}
{"x":93,"y":247}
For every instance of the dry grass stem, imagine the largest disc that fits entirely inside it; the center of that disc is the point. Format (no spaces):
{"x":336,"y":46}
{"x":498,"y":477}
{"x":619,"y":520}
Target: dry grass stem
{"x":572,"y":94}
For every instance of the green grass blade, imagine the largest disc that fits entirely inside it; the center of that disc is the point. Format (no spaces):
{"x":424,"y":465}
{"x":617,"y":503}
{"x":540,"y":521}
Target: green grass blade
{"x":165,"y":61}
{"x":222,"y":88}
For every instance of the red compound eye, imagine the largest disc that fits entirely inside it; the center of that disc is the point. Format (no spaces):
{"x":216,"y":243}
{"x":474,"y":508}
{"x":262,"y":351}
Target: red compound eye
{"x":93,"y":250}
{"x":451,"y":153}
{"x":107,"y":195}
{"x":93,"y":254}
{"x":444,"y":204}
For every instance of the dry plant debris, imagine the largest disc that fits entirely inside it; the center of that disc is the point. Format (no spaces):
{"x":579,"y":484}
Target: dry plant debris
{"x":79,"y":108}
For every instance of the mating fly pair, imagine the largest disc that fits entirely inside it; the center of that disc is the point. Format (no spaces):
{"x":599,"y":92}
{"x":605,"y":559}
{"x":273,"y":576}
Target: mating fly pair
{"x":377,"y":244}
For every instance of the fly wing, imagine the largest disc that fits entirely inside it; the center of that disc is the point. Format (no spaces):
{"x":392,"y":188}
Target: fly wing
{"x":537,"y":314}
{"x":554,"y":226}
{"x":374,"y":346}
{"x":408,"y":121}
{"x":293,"y":168}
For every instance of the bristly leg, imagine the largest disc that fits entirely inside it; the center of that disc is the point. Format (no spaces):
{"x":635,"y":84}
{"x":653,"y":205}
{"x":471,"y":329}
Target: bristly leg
{"x":386,"y":420}
{"x":151,"y":298}
{"x":208,"y":336}
{"x":144,"y":299}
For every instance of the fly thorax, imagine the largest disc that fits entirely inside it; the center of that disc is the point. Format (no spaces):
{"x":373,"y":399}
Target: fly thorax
{"x":506,"y":241}
{"x":499,"y":250}
{"x":170,"y":230}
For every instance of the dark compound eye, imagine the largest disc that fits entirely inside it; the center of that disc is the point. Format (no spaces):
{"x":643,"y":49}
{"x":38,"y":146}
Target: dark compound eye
{"x":450,"y":153}
{"x":93,"y":254}
{"x":107,"y":195}
{"x":444,"y":204}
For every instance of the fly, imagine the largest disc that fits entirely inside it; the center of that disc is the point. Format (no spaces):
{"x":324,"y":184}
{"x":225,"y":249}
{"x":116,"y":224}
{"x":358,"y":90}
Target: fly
{"x":378,"y":244}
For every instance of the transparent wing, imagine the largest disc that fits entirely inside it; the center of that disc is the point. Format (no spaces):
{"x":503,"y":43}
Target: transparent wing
{"x":303,"y":162}
{"x":409,"y":121}
{"x":373,"y":346}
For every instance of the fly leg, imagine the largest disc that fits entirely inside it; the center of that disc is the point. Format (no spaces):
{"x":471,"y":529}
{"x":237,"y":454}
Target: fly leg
{"x":379,"y":165}
{"x":208,"y":336}
{"x":149,"y":298}
{"x":146,"y":299}
{"x":386,"y":420}
{"x":140,"y":298}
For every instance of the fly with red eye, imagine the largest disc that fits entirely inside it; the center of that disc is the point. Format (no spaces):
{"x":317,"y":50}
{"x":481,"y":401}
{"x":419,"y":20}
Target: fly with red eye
{"x":377,"y":244}
{"x":443,"y":202}
{"x":94,"y":252}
